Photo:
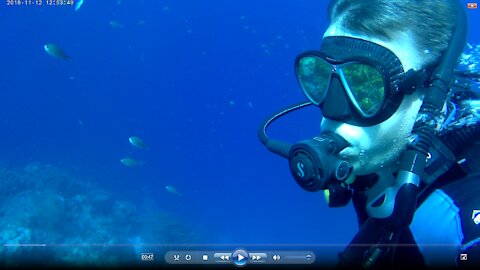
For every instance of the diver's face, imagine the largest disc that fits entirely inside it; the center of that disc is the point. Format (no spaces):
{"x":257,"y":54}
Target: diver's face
{"x":379,"y":147}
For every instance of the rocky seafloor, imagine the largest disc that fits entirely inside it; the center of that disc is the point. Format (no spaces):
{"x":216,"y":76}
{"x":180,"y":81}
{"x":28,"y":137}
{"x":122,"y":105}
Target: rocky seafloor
{"x":47,"y":216}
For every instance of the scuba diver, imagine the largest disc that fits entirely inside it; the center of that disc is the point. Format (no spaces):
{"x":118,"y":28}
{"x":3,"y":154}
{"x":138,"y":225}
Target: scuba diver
{"x":399,"y":91}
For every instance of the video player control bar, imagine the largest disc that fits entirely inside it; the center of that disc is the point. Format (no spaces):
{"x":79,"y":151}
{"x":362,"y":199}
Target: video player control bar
{"x":240,"y":257}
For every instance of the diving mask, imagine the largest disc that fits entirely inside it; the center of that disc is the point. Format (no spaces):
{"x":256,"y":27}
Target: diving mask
{"x":362,"y":85}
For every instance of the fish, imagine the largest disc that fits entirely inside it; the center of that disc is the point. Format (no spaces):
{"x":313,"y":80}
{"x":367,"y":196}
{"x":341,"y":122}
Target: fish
{"x":115,"y":24}
{"x":78,"y":4}
{"x":173,"y":190}
{"x":55,"y":51}
{"x":130,"y":162}
{"x":137,"y":142}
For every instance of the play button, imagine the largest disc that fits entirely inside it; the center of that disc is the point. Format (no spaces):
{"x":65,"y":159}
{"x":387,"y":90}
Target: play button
{"x":240,"y":257}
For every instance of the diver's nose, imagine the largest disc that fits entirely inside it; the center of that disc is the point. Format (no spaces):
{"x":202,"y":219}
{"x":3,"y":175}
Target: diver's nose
{"x":335,"y":105}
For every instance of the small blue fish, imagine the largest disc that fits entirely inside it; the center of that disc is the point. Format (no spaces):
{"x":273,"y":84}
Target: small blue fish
{"x":130,"y":162}
{"x":55,"y":51}
{"x":78,"y":4}
{"x":173,"y":190}
{"x":116,"y":24}
{"x":137,"y":142}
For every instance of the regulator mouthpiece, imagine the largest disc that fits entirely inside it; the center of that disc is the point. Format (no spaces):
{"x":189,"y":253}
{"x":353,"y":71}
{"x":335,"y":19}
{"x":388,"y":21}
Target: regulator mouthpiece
{"x":314,"y":163}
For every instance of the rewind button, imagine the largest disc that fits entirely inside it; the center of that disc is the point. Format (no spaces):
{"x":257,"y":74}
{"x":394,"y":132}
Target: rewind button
{"x":222,"y":257}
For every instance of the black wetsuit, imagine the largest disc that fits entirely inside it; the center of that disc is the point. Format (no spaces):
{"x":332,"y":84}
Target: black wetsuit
{"x":446,"y":225}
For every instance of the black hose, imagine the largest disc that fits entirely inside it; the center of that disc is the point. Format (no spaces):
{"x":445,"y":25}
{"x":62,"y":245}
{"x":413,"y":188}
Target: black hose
{"x":276,"y":146}
{"x":262,"y":130}
{"x":459,"y":140}
{"x":441,"y":79}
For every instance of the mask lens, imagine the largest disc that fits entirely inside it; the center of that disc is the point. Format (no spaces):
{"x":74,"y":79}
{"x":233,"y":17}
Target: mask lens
{"x":313,"y":75}
{"x":366,"y":86}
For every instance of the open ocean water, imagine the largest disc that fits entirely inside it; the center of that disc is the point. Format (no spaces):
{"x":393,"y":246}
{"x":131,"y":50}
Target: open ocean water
{"x":193,"y":80}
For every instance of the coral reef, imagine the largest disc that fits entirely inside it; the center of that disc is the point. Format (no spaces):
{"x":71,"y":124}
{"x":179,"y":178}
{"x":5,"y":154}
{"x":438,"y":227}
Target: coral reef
{"x":49,"y":217}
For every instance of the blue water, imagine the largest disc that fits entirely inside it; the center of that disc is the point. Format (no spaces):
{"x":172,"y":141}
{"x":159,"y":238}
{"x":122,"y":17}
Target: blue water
{"x":193,"y":79}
